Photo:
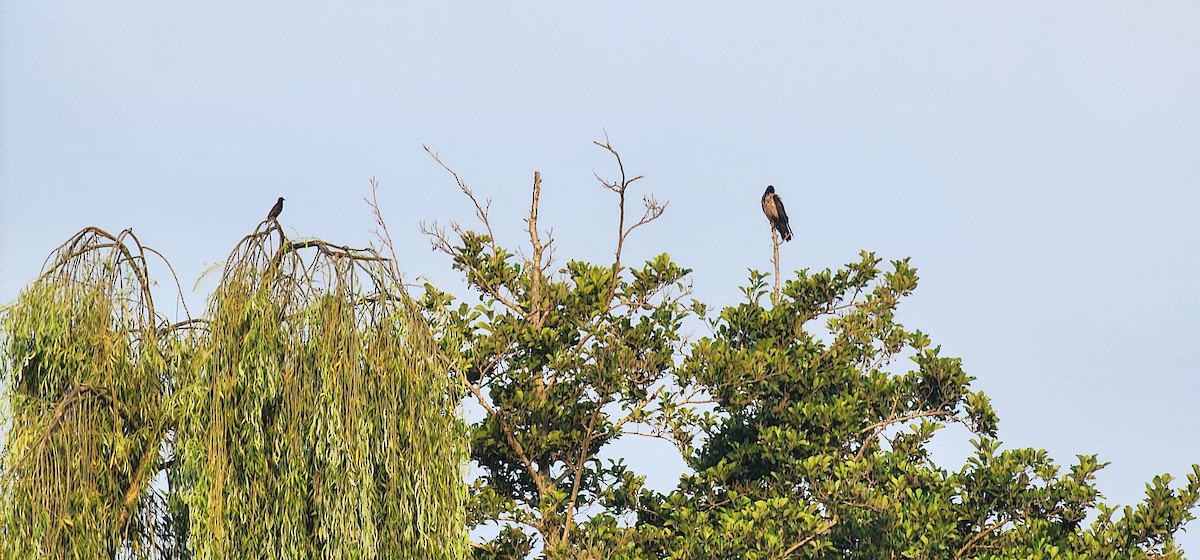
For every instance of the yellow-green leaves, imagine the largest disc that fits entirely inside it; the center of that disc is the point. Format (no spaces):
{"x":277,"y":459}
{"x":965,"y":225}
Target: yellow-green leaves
{"x":322,"y":424}
{"x":85,"y":373}
{"x":308,"y":415}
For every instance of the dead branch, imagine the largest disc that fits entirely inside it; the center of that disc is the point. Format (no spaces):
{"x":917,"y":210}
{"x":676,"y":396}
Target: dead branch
{"x":384,"y":234}
{"x":537,"y":311}
{"x":620,"y":187}
{"x":481,"y":209}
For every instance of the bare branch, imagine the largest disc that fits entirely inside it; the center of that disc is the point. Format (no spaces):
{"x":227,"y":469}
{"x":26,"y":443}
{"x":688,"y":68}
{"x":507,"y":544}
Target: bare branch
{"x":442,"y":243}
{"x":481,"y":209}
{"x":653,"y":208}
{"x":978,"y":536}
{"x":383,"y":233}
{"x":537,"y":309}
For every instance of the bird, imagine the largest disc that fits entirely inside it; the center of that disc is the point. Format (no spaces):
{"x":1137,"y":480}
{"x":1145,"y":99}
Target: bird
{"x":275,"y":210}
{"x":773,"y":208}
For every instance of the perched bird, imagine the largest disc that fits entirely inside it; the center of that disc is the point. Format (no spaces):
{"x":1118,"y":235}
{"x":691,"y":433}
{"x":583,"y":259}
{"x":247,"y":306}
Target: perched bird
{"x":275,"y":210}
{"x":773,"y":208}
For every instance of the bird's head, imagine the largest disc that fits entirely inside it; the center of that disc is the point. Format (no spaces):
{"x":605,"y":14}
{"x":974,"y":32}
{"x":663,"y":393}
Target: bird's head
{"x":770,"y":189}
{"x":281,"y":199}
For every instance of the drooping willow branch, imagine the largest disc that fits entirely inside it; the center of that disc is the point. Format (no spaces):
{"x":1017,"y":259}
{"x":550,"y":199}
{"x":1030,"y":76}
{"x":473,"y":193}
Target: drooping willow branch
{"x":319,"y":396}
{"x":87,"y":379}
{"x":271,"y":258}
{"x":79,"y":393}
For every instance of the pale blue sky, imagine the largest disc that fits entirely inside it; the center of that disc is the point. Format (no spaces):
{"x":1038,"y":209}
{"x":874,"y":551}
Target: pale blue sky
{"x":1037,"y":160}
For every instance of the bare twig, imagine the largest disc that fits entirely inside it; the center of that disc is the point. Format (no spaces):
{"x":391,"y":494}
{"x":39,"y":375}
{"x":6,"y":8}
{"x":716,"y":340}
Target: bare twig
{"x":481,"y":209}
{"x":442,"y":243}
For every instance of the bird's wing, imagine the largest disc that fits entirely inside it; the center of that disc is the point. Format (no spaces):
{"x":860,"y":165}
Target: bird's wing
{"x":780,"y":212}
{"x":781,"y":221}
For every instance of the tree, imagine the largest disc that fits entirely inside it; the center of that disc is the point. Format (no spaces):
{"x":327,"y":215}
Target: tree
{"x":304,"y":417}
{"x":86,"y":384}
{"x":805,"y":435}
{"x":562,"y":364}
{"x":821,"y":450}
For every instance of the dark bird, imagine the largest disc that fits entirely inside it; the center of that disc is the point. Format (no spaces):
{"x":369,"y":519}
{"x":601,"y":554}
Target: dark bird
{"x":773,"y":208}
{"x":275,"y":210}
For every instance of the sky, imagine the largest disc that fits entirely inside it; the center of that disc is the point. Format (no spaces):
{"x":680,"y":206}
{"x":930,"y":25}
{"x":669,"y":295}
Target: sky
{"x":1036,"y":160}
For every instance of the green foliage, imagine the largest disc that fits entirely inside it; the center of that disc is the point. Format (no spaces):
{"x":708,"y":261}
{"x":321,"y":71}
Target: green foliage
{"x":820,"y":447}
{"x":85,"y":380}
{"x":307,"y":417}
{"x":805,"y":419}
{"x":316,"y":403}
{"x":562,"y":364}
{"x":560,"y":376}
{"x":314,"y":413}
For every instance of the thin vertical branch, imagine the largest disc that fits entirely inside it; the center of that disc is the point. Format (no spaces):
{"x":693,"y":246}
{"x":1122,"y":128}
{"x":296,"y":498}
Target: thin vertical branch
{"x":775,"y":295}
{"x":618,"y":187}
{"x":654,"y":209}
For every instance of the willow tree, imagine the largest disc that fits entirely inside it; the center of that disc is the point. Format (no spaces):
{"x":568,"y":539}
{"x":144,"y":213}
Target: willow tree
{"x":87,"y":382}
{"x":305,"y":416}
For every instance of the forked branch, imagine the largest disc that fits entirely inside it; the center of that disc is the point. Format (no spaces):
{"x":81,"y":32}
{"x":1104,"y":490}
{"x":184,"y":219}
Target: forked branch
{"x":654,"y":208}
{"x":481,"y":208}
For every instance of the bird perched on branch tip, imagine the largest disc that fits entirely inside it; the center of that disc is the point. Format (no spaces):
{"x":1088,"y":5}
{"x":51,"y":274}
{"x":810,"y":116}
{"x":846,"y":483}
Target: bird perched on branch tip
{"x":275,"y":210}
{"x":773,"y":208}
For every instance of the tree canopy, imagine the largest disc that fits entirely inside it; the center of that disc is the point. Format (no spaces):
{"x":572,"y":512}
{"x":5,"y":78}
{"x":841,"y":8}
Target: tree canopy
{"x":316,"y":410}
{"x":804,"y":418}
